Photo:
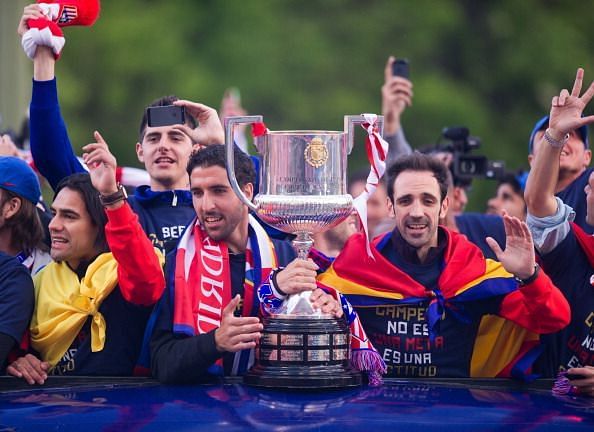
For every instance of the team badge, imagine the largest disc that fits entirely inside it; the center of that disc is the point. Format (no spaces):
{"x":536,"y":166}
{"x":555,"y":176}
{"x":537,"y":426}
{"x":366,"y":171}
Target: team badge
{"x":69,"y":13}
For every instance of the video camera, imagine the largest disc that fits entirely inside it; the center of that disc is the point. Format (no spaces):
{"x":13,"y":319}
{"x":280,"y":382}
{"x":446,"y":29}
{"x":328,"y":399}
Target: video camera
{"x":466,"y":166}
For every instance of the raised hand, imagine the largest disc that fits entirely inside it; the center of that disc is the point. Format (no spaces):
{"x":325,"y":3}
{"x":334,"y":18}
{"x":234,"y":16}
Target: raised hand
{"x":566,"y":109}
{"x":237,"y":333}
{"x":210,"y":129}
{"x":518,"y":257}
{"x":29,"y":368}
{"x":396,"y":96}
{"x":32,"y":11}
{"x":102,"y":165}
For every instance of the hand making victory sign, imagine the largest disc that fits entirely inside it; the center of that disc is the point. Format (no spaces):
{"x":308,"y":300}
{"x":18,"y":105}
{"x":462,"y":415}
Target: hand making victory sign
{"x":566,"y":109}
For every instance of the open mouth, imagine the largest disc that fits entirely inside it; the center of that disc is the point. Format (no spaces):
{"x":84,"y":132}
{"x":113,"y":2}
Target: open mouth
{"x":416,"y":227}
{"x":58,"y":242}
{"x":212,"y":220}
{"x":164,"y":161}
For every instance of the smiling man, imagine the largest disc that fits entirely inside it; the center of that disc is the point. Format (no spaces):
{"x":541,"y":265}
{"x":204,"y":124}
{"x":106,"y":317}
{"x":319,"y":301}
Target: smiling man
{"x":208,"y":317}
{"x":94,"y":298}
{"x":422,"y":295}
{"x":573,"y":168}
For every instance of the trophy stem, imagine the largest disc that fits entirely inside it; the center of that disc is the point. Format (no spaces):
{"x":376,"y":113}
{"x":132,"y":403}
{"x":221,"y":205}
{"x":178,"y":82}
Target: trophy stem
{"x":302,"y":244}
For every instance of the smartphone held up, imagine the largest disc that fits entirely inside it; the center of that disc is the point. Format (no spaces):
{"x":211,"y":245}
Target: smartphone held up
{"x":401,"y":68}
{"x":165,"y":115}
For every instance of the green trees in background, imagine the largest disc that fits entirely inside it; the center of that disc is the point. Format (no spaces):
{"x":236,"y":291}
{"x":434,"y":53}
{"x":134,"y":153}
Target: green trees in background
{"x":491,"y":65}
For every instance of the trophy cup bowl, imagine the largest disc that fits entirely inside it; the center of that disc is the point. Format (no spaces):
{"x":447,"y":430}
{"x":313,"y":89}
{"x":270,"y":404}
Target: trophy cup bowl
{"x":302,"y":192}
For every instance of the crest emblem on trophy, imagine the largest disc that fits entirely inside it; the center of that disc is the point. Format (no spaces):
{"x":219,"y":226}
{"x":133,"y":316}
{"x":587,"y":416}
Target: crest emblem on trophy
{"x":316,"y":153}
{"x":303,"y":191}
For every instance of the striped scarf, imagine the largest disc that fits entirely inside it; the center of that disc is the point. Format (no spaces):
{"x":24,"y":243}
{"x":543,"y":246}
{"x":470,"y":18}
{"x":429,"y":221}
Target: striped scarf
{"x":203,"y":284}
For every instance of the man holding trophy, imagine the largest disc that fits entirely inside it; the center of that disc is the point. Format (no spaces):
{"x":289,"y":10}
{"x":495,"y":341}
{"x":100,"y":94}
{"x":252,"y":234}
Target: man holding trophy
{"x":208,"y":322}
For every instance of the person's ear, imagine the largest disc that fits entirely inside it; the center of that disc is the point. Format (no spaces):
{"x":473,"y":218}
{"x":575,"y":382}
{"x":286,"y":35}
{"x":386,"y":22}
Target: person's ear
{"x":390,"y":208}
{"x":444,"y":207}
{"x":587,"y":157}
{"x":11,"y":207}
{"x":139,"y":152}
{"x":248,"y":190}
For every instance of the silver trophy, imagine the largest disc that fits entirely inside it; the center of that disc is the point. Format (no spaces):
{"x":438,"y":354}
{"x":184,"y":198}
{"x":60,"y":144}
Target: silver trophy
{"x":303,"y":191}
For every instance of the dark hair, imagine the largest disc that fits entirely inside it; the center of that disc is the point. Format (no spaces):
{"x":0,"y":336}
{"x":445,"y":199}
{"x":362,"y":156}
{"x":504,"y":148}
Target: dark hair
{"x":27,"y":232}
{"x":214,"y":155}
{"x":162,"y":101}
{"x":418,"y":162}
{"x":512,"y":181}
{"x":81,"y":183}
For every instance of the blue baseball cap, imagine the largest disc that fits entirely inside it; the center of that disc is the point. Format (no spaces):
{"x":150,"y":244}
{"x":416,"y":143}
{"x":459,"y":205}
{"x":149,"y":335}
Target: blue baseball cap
{"x":543,"y":123}
{"x":17,"y":176}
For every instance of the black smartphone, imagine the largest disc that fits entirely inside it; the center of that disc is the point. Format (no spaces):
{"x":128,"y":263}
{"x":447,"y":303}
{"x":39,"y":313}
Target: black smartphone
{"x":165,"y":115}
{"x":400,"y":68}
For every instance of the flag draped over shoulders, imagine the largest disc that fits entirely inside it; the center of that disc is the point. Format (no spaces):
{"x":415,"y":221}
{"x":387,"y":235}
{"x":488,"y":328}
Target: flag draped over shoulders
{"x":466,"y":276}
{"x":64,"y":304}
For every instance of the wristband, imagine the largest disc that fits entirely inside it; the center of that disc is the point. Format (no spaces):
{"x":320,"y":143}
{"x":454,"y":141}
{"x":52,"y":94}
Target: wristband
{"x":120,"y":195}
{"x":275,"y":284}
{"x":529,"y":279}
{"x":553,"y":142}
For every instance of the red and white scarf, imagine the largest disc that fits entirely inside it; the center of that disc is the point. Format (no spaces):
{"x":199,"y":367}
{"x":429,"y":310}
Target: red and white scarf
{"x":203,"y":282}
{"x":377,"y":151}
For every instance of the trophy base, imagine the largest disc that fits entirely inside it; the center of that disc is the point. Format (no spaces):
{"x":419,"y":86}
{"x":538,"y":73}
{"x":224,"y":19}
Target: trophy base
{"x":303,"y":352}
{"x":299,"y":377}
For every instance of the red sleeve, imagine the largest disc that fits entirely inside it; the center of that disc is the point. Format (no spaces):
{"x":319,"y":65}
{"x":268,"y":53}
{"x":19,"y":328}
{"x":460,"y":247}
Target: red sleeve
{"x":538,"y":306}
{"x":140,"y":275}
{"x":586,"y":241}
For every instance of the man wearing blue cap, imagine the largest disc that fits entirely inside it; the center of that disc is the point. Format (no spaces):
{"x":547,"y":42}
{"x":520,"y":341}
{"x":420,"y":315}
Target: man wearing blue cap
{"x":566,"y":251}
{"x":573,"y":168}
{"x":21,"y":230}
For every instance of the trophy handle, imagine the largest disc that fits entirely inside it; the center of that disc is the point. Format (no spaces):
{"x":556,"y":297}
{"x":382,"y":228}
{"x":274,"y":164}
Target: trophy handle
{"x":230,"y":151}
{"x":349,"y":127}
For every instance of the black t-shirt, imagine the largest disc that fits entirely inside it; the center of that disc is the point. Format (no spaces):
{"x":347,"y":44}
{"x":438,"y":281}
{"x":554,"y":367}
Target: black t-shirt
{"x":575,"y":197}
{"x":401,"y":334}
{"x":125,"y":324}
{"x":569,"y":269}
{"x":178,"y":358}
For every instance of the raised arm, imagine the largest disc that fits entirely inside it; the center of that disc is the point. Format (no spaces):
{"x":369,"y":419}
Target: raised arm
{"x":565,"y":116}
{"x":397,"y":94}
{"x":538,"y":305}
{"x":140,"y":272}
{"x":50,"y":145}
